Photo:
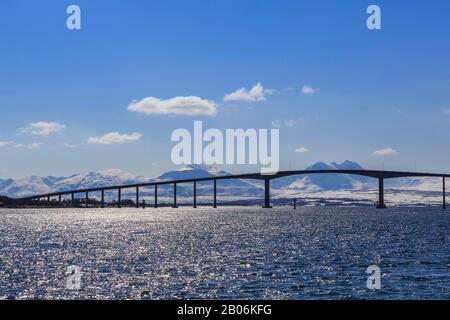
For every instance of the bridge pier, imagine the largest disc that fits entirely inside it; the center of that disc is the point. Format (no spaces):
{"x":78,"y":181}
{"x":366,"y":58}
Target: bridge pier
{"x":267,"y":194}
{"x":63,"y":197}
{"x":174,"y":196}
{"x":444,"y":204}
{"x":102,"y":204}
{"x":195,"y":194}
{"x":215,"y":194}
{"x":137,"y":197}
{"x":381,"y":204}
{"x":156,"y":196}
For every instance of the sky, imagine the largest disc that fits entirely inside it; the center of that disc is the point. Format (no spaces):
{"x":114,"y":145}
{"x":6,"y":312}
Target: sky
{"x":110,"y":95}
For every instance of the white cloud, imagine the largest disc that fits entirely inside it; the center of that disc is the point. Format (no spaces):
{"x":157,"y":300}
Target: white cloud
{"x":257,"y":93}
{"x":277,"y":124}
{"x":5,"y":143}
{"x":191,"y":106}
{"x":70,"y":146}
{"x":29,"y":146}
{"x":309,"y":90}
{"x":385,"y":152}
{"x":287,"y":123}
{"x":43,"y":128}
{"x":301,"y":150}
{"x":290,"y":122}
{"x":115,"y":138}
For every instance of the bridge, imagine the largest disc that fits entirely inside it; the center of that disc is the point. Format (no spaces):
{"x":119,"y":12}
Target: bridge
{"x":380,"y":175}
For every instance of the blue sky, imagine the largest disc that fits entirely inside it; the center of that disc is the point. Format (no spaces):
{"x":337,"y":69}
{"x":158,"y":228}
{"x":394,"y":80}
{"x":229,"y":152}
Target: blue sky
{"x":374,"y":90}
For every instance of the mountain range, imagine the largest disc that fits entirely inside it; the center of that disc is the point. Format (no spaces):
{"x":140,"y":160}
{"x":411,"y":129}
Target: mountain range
{"x":310,"y":188}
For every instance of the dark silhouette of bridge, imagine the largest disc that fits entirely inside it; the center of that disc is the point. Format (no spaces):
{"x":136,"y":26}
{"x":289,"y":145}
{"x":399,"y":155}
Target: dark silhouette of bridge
{"x":380,"y":175}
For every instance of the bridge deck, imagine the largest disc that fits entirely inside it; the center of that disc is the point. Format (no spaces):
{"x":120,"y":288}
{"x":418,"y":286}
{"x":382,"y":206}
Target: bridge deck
{"x":257,"y":176}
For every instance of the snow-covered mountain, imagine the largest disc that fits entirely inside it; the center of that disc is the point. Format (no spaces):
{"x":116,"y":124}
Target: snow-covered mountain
{"x":232,"y":187}
{"x":40,"y":185}
{"x":25,"y":186}
{"x":320,"y":182}
{"x":312,"y":187}
{"x":37,"y":185}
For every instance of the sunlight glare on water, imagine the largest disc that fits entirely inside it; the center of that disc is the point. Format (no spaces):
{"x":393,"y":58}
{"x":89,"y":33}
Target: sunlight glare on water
{"x":227,"y":253}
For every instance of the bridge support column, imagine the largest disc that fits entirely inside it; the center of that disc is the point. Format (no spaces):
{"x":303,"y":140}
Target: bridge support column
{"x":267,"y":194}
{"x":174,"y":196}
{"x":59,"y":200}
{"x":48,"y":200}
{"x":72,"y":199}
{"x":119,"y":198}
{"x":380,"y":204}
{"x":444,"y":204}
{"x":102,"y":204}
{"x":156,"y":196}
{"x":195,"y":194}
{"x":87,"y":199}
{"x":137,"y":197}
{"x":295,"y":204}
{"x":215,"y":194}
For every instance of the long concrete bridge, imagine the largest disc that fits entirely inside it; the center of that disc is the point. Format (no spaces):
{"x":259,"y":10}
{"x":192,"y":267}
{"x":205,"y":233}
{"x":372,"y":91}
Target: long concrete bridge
{"x":380,"y":175}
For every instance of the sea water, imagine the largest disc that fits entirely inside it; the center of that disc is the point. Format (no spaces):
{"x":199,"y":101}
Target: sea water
{"x":225,"y":253}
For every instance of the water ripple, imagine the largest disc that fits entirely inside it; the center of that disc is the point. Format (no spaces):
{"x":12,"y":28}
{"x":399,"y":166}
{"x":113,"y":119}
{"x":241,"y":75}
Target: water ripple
{"x":230,"y":253}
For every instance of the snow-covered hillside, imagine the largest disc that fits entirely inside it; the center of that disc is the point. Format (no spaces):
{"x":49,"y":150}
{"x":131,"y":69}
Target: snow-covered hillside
{"x":312,"y":189}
